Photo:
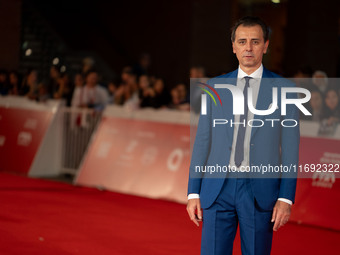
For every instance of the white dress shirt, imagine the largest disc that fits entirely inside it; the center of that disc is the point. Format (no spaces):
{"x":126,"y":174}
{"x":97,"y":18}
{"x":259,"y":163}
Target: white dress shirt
{"x":254,"y":83}
{"x":95,"y":95}
{"x":77,"y":97}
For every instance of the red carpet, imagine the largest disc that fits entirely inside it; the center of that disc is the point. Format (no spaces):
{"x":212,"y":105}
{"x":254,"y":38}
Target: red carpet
{"x":45,"y":217}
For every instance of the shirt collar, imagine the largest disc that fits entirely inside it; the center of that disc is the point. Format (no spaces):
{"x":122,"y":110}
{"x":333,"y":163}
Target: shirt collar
{"x":256,"y":75}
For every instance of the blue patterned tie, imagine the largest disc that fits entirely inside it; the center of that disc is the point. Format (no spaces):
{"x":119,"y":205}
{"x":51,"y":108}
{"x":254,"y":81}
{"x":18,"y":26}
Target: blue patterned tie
{"x":239,"y":150}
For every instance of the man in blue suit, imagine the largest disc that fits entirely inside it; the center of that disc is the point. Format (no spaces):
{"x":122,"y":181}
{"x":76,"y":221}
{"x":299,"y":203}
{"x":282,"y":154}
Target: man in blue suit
{"x":228,"y":198}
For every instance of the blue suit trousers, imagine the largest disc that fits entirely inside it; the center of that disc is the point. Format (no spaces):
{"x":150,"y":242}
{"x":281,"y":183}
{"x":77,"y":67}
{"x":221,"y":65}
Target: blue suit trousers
{"x":235,"y":205}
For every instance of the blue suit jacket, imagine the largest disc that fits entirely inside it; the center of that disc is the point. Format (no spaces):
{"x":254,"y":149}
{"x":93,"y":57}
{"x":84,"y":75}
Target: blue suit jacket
{"x":275,"y":145}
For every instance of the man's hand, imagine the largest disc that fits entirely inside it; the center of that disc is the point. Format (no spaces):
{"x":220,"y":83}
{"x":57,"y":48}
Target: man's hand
{"x":193,"y":206}
{"x":281,"y":213}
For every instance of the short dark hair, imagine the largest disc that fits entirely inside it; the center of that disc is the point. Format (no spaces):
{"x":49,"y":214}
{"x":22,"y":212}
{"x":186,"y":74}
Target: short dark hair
{"x":250,"y":21}
{"x":93,"y":70}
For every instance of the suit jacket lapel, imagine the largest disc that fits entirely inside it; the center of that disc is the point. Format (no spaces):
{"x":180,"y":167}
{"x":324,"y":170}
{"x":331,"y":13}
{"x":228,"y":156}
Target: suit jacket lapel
{"x":226,"y":112}
{"x":232,"y":79}
{"x":264,"y":98}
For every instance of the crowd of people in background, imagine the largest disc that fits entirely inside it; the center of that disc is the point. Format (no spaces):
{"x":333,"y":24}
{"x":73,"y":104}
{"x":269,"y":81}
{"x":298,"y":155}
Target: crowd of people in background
{"x":325,"y":98}
{"x":56,"y":86}
{"x":138,"y":88}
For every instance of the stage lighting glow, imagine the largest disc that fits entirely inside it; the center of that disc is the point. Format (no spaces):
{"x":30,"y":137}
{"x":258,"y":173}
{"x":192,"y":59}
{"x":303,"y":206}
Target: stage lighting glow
{"x":55,"y":61}
{"x":25,"y":45}
{"x":28,"y":52}
{"x":276,"y":1}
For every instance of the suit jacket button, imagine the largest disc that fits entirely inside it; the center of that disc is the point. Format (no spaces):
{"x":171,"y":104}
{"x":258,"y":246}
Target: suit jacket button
{"x":230,"y":148}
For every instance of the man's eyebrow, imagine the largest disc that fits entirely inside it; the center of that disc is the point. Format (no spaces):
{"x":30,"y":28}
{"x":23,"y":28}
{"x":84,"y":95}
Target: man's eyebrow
{"x":253,"y":39}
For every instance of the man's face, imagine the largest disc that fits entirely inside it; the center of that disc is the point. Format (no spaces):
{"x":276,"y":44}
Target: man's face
{"x":92,"y":79}
{"x":249,"y":47}
{"x":316,"y":100}
{"x":332,"y":99}
{"x":193,"y":73}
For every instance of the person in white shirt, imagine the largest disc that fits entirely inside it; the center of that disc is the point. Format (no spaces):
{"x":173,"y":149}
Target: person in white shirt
{"x":78,"y":90}
{"x":94,"y":95}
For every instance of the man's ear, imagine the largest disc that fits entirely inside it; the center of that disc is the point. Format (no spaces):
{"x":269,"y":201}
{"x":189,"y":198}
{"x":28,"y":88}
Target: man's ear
{"x":266,"y":44}
{"x":233,"y":45}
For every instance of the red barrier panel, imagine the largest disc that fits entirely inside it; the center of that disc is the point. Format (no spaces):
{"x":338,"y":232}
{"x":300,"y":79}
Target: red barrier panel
{"x":316,"y":205}
{"x":152,"y":159}
{"x":139,"y":157}
{"x":21,"y":133}
{"x":317,"y":197}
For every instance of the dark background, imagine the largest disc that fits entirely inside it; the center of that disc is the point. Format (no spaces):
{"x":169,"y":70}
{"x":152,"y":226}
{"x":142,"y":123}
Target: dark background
{"x":177,"y":34}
